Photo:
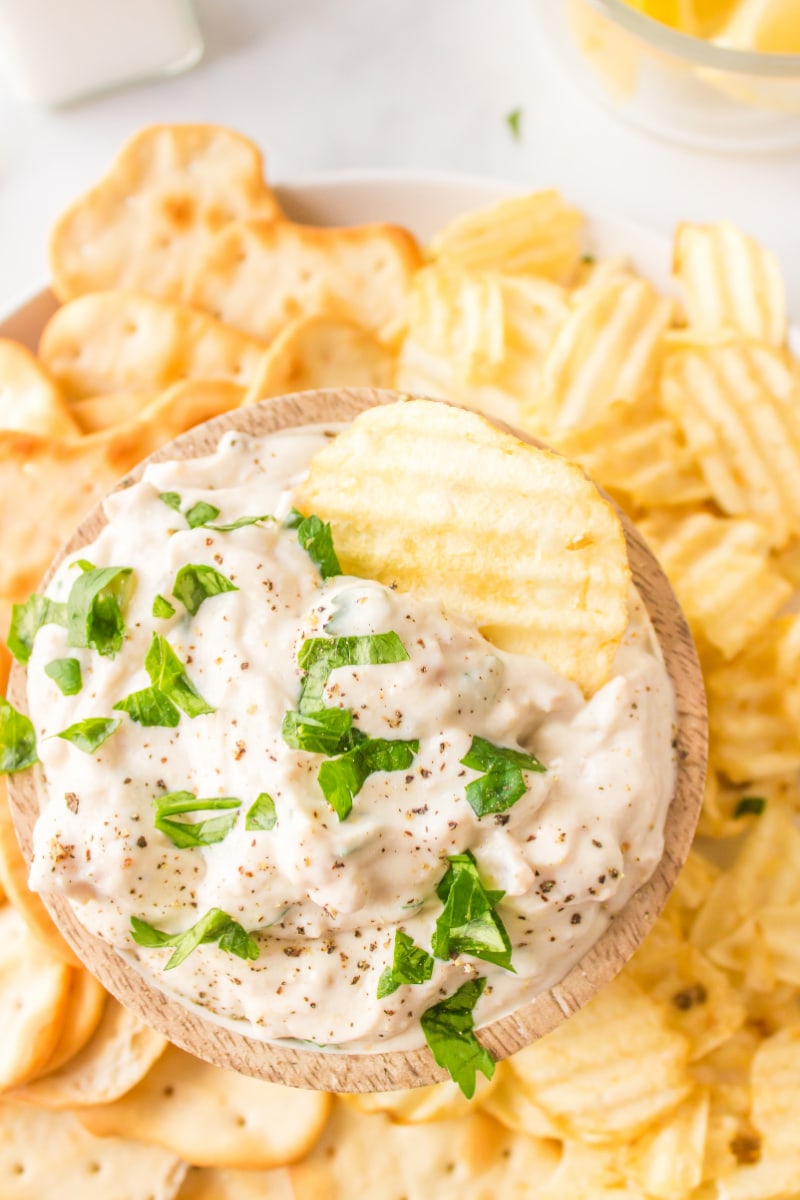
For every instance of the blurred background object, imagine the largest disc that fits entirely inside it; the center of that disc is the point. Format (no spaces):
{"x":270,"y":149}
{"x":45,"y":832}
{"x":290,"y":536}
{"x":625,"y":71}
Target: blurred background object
{"x":55,"y":51}
{"x":711,"y":73}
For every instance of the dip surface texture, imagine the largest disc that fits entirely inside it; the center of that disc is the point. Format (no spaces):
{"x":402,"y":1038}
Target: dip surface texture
{"x":324,"y":897}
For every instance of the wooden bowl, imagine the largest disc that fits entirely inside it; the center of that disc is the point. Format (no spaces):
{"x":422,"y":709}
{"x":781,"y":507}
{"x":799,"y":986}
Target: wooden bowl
{"x":347,"y":1072}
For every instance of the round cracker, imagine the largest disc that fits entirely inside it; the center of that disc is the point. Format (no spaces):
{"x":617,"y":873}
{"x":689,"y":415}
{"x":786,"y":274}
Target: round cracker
{"x":34,"y":995}
{"x":214,"y":1118}
{"x":120,"y":1053}
{"x":30,"y":400}
{"x":85,"y":1006}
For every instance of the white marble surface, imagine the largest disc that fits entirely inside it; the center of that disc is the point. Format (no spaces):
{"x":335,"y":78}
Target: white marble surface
{"x":330,"y":84}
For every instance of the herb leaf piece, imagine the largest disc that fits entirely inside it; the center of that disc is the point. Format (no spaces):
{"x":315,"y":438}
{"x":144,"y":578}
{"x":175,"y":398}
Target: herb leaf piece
{"x":66,"y":675}
{"x":185,"y":834}
{"x":315,"y":536}
{"x":17,"y":740}
{"x":149,"y":707}
{"x":514,"y":123}
{"x":167,"y":673}
{"x":341,"y":779}
{"x":469,"y":923}
{"x":448,"y":1030}
{"x":750,"y":805}
{"x":215,"y":926}
{"x":261,"y":814}
{"x":162,"y":607}
{"x":89,"y":735}
{"x":26,"y":621}
{"x":329,"y":731}
{"x":171,"y":499}
{"x":502,"y":783}
{"x":95,"y":608}
{"x":409,"y":965}
{"x":319,"y":656}
{"x":196,"y":583}
{"x":200,"y":514}
{"x":240,"y":523}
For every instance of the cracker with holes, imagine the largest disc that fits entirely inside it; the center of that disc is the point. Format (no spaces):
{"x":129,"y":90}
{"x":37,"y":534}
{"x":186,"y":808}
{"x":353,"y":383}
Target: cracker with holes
{"x":168,"y":191}
{"x":46,"y":1154}
{"x":123,"y":342}
{"x":259,"y":275}
{"x":436,"y":500}
{"x":215,"y":1118}
{"x":30,"y":400}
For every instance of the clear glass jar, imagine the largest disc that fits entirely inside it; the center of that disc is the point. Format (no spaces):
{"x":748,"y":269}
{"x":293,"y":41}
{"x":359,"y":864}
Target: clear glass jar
{"x":674,"y":85}
{"x":54,"y":51}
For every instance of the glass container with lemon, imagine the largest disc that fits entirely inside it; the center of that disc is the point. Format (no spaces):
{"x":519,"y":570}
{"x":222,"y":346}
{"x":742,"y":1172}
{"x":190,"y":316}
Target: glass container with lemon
{"x":717,"y":73}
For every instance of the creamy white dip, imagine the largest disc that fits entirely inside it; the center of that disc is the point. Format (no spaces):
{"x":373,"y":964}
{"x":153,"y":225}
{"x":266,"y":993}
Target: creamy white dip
{"x":325,"y":896}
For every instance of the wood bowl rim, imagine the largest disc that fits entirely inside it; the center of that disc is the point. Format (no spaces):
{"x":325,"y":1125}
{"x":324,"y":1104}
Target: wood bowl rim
{"x":342,"y":1071}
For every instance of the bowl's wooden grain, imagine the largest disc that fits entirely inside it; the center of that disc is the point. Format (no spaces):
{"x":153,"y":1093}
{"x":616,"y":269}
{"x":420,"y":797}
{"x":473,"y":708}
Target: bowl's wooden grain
{"x":377,"y":1072}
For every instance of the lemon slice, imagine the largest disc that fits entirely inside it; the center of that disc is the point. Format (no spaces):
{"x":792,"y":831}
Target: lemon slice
{"x":772,"y":26}
{"x":701,"y":18}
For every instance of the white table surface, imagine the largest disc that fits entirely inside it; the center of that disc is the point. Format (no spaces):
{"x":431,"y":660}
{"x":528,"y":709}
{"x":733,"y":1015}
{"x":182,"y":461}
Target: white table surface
{"x":330,"y":84}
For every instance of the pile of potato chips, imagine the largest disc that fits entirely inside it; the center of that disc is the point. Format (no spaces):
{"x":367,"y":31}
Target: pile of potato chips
{"x":185,"y":292}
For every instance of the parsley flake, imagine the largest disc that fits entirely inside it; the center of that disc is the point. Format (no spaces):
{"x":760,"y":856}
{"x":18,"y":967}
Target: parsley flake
{"x":315,"y":536}
{"x":410,"y":965}
{"x":261,"y":814}
{"x":168,"y":674}
{"x":66,"y":675}
{"x":17,"y":740}
{"x":319,"y":656}
{"x":215,"y":926}
{"x":186,"y":834}
{"x":162,"y":607}
{"x":514,"y":123}
{"x":89,"y":735}
{"x":329,"y":731}
{"x":750,"y":805}
{"x":26,"y":621}
{"x":95,"y":608}
{"x":196,"y":583}
{"x":448,"y":1030}
{"x":341,"y":779}
{"x":469,"y":924}
{"x":503,"y":782}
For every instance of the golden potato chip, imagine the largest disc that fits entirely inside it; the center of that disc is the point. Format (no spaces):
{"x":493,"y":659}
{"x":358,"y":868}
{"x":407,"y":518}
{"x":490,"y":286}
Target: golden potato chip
{"x":728,"y":808}
{"x":170,"y":188}
{"x":667,"y":1162}
{"x":110,"y":342}
{"x":729,"y":281}
{"x":692,"y":888}
{"x":610,"y":1072}
{"x":636,"y":453}
{"x":753,"y":729}
{"x":50,"y":1154}
{"x":588,"y":1173}
{"x":536,"y":234}
{"x":534,"y":555}
{"x":608,"y":349}
{"x":115,"y":1059}
{"x":29,"y":399}
{"x":408,"y":1106}
{"x":227,"y":1183}
{"x":85,"y":1006}
{"x":738,"y":404}
{"x":34,"y":996}
{"x":769,"y":1179}
{"x":14,"y":877}
{"x":215,"y":1118}
{"x":321,"y":352}
{"x":96,"y":413}
{"x":259,"y":275}
{"x":64,"y":479}
{"x":509,"y":1103}
{"x":722,"y":574}
{"x":471,"y":1159}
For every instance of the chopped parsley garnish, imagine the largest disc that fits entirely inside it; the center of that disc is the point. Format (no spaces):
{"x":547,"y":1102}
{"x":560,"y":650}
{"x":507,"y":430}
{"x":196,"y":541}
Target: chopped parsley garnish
{"x":341,"y":779}
{"x":314,"y":535}
{"x":95,"y":608}
{"x":17,"y":740}
{"x":261,"y":814}
{"x":748,"y":805}
{"x":469,"y":923}
{"x":215,"y":926}
{"x":26,"y":621}
{"x":409,"y":965}
{"x":319,"y":656}
{"x":186,"y":834}
{"x":514,"y":123}
{"x":329,"y":731}
{"x":149,"y":707}
{"x":195,"y":583}
{"x":65,"y":674}
{"x":171,"y":690}
{"x":448,"y":1030}
{"x":200,"y":514}
{"x":503,"y":782}
{"x":89,"y":735}
{"x":168,"y":674}
{"x":162,"y":607}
